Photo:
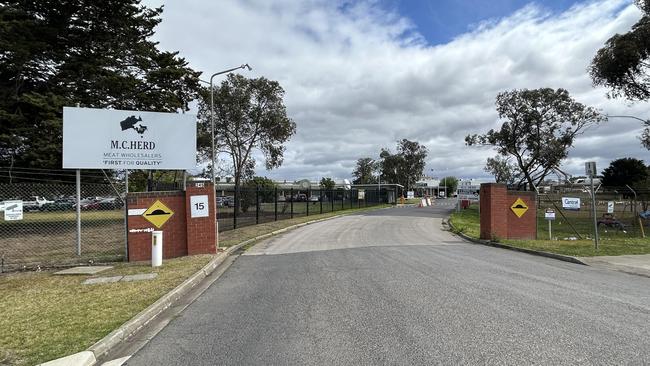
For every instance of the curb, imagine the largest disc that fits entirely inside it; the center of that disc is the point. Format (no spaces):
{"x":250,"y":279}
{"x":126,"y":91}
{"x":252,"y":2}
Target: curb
{"x":490,"y":243}
{"x":132,"y":326}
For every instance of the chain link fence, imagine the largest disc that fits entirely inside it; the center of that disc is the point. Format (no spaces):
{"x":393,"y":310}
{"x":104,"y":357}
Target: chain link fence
{"x":256,"y":206}
{"x":46,"y":234}
{"x":621,"y":212}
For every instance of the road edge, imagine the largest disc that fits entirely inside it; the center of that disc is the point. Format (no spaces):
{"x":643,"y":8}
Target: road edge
{"x":89,"y":356}
{"x":490,"y":243}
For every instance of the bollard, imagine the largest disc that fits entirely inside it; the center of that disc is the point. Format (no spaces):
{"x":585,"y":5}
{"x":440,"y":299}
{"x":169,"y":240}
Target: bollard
{"x":156,"y":248}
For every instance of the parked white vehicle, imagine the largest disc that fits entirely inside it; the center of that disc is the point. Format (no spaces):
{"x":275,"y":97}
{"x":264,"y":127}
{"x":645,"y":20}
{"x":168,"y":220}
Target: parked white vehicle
{"x":35,"y":203}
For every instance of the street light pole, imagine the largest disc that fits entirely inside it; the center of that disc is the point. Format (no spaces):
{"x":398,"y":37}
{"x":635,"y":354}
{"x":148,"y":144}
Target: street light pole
{"x":213,"y":158}
{"x":244,"y":66}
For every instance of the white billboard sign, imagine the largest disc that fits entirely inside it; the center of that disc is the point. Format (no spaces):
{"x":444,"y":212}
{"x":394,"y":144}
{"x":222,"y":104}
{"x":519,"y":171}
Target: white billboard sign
{"x":571,"y":203}
{"x":117,"y":139}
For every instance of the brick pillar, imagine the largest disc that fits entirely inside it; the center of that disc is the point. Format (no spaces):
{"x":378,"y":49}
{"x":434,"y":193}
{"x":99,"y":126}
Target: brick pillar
{"x":524,"y":227}
{"x":139,"y":235}
{"x":494,"y":218}
{"x":201,"y":231}
{"x":498,"y":220}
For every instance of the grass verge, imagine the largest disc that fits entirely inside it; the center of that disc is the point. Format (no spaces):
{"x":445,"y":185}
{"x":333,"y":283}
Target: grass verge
{"x":611,"y":243}
{"x":46,"y":316}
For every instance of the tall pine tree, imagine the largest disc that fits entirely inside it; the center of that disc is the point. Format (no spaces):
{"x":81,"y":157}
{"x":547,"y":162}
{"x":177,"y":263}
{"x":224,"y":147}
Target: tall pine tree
{"x":56,"y":53}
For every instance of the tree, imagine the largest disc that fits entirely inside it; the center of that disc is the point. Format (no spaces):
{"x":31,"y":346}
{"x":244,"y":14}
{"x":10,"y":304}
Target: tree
{"x":624,"y":171}
{"x":406,"y":166}
{"x":503,"y":170}
{"x":249,"y":115}
{"x":540,"y":127}
{"x":257,"y":187}
{"x":98,"y":54}
{"x":414,"y":155}
{"x":451,"y":184}
{"x":623,"y":65}
{"x":327,"y":184}
{"x":363,"y":172}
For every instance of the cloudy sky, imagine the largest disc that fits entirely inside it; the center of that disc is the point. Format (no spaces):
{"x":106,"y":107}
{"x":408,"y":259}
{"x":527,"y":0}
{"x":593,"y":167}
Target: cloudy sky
{"x":360,"y":75}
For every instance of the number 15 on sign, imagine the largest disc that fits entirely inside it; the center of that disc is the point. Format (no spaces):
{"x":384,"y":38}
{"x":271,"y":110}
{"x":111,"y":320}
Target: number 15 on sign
{"x":199,"y":206}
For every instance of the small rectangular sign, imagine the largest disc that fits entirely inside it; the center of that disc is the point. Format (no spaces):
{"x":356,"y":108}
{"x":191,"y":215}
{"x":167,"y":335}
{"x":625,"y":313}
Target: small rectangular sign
{"x":571,"y":203}
{"x":410,"y":194}
{"x":136,"y":211}
{"x":610,"y":207}
{"x":199,"y":206}
{"x":13,"y":210}
{"x":362,"y":194}
{"x":549,"y":214}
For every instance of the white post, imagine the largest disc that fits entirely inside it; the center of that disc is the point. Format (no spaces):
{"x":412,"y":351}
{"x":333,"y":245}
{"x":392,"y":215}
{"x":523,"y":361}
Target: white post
{"x":550,"y":235}
{"x":78,"y":212}
{"x":156,"y":248}
{"x":593,"y":211}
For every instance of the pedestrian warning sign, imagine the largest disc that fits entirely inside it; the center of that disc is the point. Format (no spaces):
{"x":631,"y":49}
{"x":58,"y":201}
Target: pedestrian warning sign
{"x":519,"y":207}
{"x":158,"y":214}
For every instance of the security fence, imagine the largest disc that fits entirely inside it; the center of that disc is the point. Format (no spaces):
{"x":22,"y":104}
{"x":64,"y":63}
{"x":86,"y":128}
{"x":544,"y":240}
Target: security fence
{"x":45,"y":232}
{"x":621,"y":212}
{"x":260,"y":205}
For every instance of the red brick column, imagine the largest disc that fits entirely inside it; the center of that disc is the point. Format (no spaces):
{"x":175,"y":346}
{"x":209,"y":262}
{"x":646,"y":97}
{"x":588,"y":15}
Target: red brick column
{"x":498,"y":221}
{"x":524,"y":227}
{"x":201,"y":231}
{"x":494,"y":220}
{"x":174,"y":230}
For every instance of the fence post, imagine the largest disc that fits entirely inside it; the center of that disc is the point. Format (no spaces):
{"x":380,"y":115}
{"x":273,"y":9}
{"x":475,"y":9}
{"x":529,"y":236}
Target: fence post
{"x":126,"y":214}
{"x":276,"y":203}
{"x":78,"y":212}
{"x":332,"y":199}
{"x":308,"y":199}
{"x":257,"y":204}
{"x":234,"y":216}
{"x":321,"y":199}
{"x":291,"y":203}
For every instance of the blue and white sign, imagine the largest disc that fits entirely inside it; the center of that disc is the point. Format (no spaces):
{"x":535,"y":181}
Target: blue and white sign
{"x":571,"y":203}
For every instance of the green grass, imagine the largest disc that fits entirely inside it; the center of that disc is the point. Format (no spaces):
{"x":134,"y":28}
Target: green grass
{"x":232,"y":237}
{"x":57,"y":217}
{"x":612,"y":242}
{"x":45,"y":316}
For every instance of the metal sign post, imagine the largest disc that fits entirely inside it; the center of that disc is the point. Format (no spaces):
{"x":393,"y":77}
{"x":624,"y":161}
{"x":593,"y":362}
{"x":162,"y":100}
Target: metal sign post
{"x":78,"y":212}
{"x":549,"y":215}
{"x":590,"y":169}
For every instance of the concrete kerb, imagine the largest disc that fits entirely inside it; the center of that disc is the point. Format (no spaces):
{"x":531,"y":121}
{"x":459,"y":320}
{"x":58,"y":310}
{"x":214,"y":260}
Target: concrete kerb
{"x":490,"y":243}
{"x":133,"y":325}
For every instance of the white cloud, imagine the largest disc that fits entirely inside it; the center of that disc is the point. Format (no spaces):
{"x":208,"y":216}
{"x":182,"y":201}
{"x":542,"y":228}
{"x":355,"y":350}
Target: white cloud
{"x":358,"y":77}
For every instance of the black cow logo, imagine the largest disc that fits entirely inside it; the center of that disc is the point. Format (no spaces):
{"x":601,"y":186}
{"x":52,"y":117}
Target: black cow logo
{"x":133,"y":123}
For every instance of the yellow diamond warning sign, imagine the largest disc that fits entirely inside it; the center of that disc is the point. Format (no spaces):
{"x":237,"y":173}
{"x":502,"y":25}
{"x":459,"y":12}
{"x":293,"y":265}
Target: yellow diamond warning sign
{"x":158,"y":214}
{"x":519,"y":207}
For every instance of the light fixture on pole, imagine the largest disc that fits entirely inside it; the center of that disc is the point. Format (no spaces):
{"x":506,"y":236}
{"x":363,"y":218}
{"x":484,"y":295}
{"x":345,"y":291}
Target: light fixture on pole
{"x":213,"y":179}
